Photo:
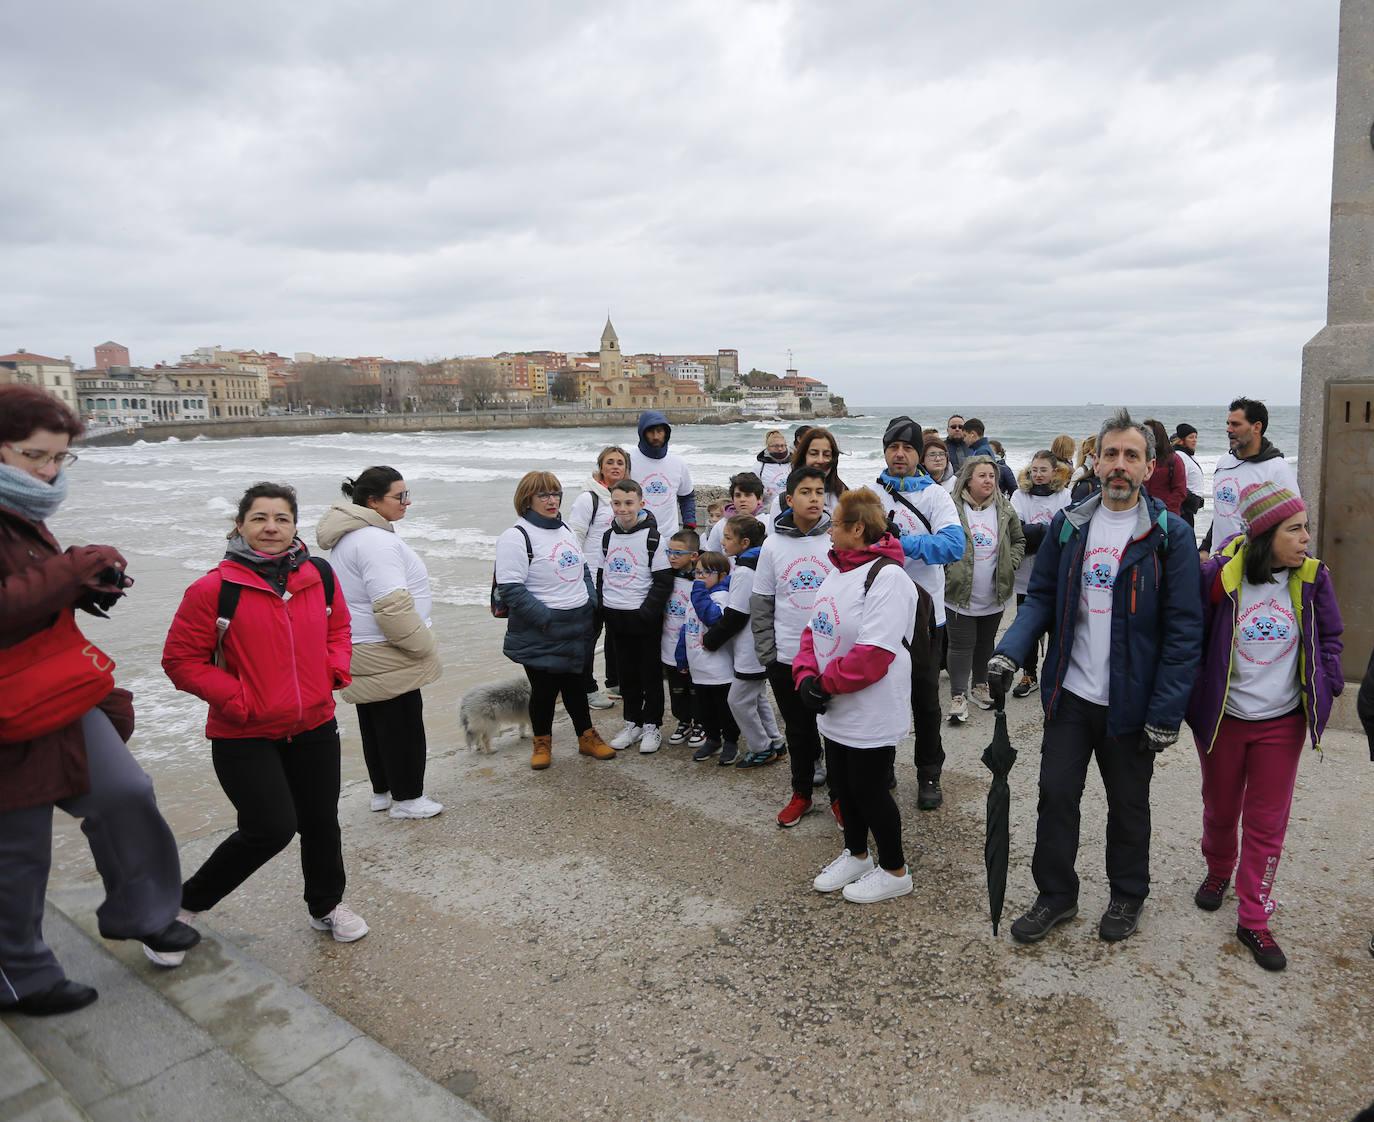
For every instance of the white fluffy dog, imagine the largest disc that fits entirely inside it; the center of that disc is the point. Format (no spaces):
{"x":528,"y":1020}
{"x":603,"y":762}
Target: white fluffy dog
{"x":485,"y":710}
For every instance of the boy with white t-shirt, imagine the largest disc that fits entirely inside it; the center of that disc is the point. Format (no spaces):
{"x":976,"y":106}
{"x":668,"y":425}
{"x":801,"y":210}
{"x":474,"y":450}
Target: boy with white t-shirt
{"x":746,"y":497}
{"x":634,"y":583}
{"x":793,"y":564}
{"x":683,"y":550}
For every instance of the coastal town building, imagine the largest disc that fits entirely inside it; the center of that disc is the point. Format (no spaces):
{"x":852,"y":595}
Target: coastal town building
{"x":55,"y":375}
{"x":110,"y":354}
{"x":229,"y":393}
{"x":131,"y":396}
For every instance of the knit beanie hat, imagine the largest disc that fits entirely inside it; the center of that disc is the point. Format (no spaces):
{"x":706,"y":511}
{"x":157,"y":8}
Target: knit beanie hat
{"x":1265,"y":505}
{"x":1184,"y":430}
{"x":902,"y":428}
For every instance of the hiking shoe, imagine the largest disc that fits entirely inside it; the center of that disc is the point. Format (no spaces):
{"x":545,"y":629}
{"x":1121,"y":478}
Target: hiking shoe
{"x":835,"y":810}
{"x":818,"y":774}
{"x":650,"y":740}
{"x":627,"y":736}
{"x":1120,"y":920}
{"x":382,"y":801}
{"x":845,"y":869}
{"x":1040,"y":920}
{"x":421,"y":807}
{"x":705,"y":750}
{"x":696,"y":735}
{"x":599,"y":700}
{"x":928,"y":794}
{"x":982,"y":696}
{"x":343,"y":922}
{"x":1024,"y":686}
{"x":1209,"y":894}
{"x":877,"y":884}
{"x":728,"y":751}
{"x":793,"y":811}
{"x":757,"y":759}
{"x":680,"y":733}
{"x":1262,"y":945}
{"x":958,"y":708}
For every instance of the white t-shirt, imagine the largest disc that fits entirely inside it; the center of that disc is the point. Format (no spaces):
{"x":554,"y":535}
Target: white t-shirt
{"x":1089,"y":672}
{"x":879,"y":715}
{"x":742,"y":645}
{"x":773,"y":476}
{"x":370,"y":563}
{"x":1194,"y":472}
{"x":554,"y":577}
{"x":662,"y":482}
{"x":1264,"y":660}
{"x":934,"y":502}
{"x":1035,"y":510}
{"x":627,"y":571}
{"x":714,"y":537}
{"x":982,"y":529}
{"x":1231,"y":477}
{"x":675,"y":611}
{"x":596,"y":523}
{"x":790,"y":570}
{"x":708,"y":668}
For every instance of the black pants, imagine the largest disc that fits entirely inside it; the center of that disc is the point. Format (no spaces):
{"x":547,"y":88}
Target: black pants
{"x":641,"y":680}
{"x":545,"y":686}
{"x":1032,"y":663}
{"x":681,"y":701}
{"x":713,"y":705}
{"x":394,"y":747}
{"x":858,"y":779}
{"x":1076,"y":732}
{"x":279,"y":788}
{"x":589,"y":668}
{"x":926,"y":716}
{"x":803,"y":741}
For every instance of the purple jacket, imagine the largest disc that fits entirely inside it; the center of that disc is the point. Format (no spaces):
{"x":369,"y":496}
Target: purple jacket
{"x":1319,"y":624}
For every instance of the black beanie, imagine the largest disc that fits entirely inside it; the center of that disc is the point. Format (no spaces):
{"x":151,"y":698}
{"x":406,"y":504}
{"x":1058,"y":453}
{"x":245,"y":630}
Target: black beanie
{"x":902,"y":428}
{"x":1185,"y":429}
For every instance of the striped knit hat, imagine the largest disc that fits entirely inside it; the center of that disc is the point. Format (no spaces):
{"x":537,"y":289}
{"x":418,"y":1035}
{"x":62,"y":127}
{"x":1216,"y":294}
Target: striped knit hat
{"x":1265,"y":505}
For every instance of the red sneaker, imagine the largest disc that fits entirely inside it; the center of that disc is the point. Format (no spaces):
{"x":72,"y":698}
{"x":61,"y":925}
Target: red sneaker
{"x":792,"y":813}
{"x":835,"y":810}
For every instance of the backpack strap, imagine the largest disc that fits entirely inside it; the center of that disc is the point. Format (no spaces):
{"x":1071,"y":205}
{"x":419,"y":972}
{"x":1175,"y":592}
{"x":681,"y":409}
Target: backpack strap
{"x":230,"y":591}
{"x":327,"y":579}
{"x":906,"y":503}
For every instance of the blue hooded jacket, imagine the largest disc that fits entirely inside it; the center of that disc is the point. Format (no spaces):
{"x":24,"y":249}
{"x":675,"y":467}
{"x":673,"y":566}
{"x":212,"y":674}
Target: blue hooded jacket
{"x":687,"y":504}
{"x":943,"y":546}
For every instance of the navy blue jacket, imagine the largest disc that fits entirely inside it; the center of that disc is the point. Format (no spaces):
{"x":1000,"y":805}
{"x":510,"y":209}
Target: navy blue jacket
{"x":1156,"y":616}
{"x":552,"y":639}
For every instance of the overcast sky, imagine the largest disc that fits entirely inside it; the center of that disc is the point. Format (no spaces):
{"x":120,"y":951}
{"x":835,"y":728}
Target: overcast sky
{"x":1045,"y":199}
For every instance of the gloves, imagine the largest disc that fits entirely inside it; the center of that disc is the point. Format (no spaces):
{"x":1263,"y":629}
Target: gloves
{"x":812,"y":696}
{"x":1001,"y":674}
{"x":1156,"y":739}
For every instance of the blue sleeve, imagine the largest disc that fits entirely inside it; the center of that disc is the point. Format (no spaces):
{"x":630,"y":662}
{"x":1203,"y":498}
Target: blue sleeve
{"x":687,"y":504}
{"x":940,"y":548}
{"x":524,"y":605}
{"x":1035,"y":617}
{"x":708,"y":611}
{"x":680,"y":652}
{"x":591,"y":585}
{"x":1181,"y":641}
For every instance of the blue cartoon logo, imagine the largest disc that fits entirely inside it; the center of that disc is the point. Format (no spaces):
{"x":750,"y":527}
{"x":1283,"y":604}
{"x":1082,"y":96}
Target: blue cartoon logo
{"x":620,"y":564}
{"x":1099,"y":576}
{"x":982,"y":540}
{"x":655,"y":487}
{"x":693,"y":626}
{"x":1266,"y":629}
{"x":1226,"y":494}
{"x":807,"y":578}
{"x":676,"y":607}
{"x":822,"y":624}
{"x":568,"y":559}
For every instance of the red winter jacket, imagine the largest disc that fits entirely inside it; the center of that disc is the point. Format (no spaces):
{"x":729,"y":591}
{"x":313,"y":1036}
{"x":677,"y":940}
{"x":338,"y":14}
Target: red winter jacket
{"x":1169,"y":483}
{"x":283,"y":656}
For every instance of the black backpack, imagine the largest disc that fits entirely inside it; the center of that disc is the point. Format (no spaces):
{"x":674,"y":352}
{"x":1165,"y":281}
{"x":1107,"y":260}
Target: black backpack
{"x":229,"y":592}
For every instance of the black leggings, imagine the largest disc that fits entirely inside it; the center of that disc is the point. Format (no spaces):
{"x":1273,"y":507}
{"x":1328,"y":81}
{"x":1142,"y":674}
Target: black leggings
{"x":858,"y":778}
{"x":545,"y":686}
{"x":394,"y":749}
{"x":713,"y":707}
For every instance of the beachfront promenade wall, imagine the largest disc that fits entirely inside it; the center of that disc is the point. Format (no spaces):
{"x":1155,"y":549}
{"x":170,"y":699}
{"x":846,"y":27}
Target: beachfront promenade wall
{"x":299,"y":424}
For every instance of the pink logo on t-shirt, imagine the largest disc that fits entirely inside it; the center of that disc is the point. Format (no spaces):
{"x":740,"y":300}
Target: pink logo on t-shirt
{"x":656,"y":488}
{"x":825,"y":627}
{"x":1226,"y":495}
{"x":1265,"y":632}
{"x":984,"y":542}
{"x":621,"y":564}
{"x":801,"y":579}
{"x":1099,"y":578}
{"x":566,"y":561}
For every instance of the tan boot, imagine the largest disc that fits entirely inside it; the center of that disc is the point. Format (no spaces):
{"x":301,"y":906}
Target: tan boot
{"x":591,"y":744}
{"x":543,"y":752}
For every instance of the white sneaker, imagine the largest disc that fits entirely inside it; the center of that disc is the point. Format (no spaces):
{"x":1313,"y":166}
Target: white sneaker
{"x":650,"y":740}
{"x":421,"y":807}
{"x":599,"y":700}
{"x":877,"y":884}
{"x":958,"y":708}
{"x":168,"y":959}
{"x":382,"y":801}
{"x":845,"y":869}
{"x":627,"y":736}
{"x":344,"y":923}
{"x":982,"y":696}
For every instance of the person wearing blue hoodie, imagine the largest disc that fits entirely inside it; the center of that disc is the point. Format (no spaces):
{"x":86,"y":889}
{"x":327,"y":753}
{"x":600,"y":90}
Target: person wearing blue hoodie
{"x":667,"y":483}
{"x":927,"y":523}
{"x":978,"y":445}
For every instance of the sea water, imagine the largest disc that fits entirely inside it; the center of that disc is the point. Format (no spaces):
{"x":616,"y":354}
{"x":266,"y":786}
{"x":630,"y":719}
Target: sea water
{"x":168,"y":505}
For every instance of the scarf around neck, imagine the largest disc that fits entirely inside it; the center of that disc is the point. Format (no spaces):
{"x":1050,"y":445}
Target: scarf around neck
{"x":30,"y":496}
{"x":275,"y":569}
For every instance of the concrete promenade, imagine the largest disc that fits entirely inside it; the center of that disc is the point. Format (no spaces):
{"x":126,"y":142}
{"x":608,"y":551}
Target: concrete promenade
{"x":637,"y":939}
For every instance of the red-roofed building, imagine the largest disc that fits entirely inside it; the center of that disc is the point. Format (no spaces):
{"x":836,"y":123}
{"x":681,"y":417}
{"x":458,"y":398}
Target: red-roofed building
{"x":57,"y":376}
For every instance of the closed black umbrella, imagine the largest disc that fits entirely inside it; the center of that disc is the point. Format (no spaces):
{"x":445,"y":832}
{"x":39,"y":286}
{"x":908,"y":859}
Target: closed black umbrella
{"x":998,"y":758}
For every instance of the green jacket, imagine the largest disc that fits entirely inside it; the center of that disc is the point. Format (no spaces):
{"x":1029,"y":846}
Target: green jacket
{"x":1011,"y":550}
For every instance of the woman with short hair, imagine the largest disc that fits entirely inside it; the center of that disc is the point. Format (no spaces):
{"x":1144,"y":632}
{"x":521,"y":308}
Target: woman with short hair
{"x":386,"y":586}
{"x":590,"y":518}
{"x":774,"y":465}
{"x":550,"y":601}
{"x":265,"y":641}
{"x":935,"y":463}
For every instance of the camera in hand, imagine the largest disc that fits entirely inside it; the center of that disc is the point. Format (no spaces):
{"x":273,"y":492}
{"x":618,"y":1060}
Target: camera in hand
{"x":109,"y":575}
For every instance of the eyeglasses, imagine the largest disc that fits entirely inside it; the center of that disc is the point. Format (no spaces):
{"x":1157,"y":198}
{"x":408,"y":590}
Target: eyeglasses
{"x":400,"y":496}
{"x":680,"y":552}
{"x":702,"y":574}
{"x":544,"y":496}
{"x":43,"y":459}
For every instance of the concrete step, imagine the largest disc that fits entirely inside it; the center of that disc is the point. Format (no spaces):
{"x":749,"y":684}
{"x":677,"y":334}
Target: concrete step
{"x":220,"y":1037}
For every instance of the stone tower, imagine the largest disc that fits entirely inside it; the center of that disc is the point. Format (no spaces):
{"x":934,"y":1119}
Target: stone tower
{"x":611,"y":365}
